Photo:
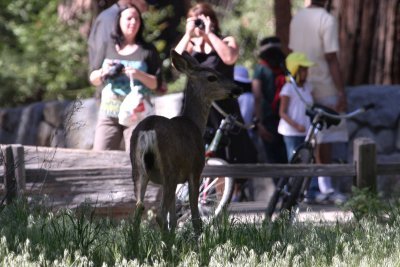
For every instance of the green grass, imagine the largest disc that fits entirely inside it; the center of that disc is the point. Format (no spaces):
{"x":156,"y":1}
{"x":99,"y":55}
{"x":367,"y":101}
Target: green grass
{"x":33,"y":236}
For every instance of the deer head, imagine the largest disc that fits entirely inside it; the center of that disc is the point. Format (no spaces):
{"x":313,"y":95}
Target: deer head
{"x":209,"y":83}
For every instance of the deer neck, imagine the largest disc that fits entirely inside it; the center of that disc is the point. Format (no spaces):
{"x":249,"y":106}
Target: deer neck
{"x":196,"y":108}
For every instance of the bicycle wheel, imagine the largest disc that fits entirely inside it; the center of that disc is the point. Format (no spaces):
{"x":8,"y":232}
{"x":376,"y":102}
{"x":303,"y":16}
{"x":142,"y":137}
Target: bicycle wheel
{"x":215,"y":194}
{"x":290,"y":190}
{"x":296,"y":186}
{"x":276,"y":197}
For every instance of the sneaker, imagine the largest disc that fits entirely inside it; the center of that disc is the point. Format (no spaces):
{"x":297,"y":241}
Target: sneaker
{"x":322,"y":198}
{"x":337,"y":198}
{"x":309,"y":200}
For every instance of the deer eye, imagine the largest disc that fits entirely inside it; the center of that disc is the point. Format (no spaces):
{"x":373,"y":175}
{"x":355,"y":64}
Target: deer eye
{"x":212,"y":78}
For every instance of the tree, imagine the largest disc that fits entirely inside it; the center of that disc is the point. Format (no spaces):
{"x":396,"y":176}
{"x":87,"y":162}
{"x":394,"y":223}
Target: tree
{"x":283,"y":15}
{"x":41,"y":57}
{"x":370,"y":40}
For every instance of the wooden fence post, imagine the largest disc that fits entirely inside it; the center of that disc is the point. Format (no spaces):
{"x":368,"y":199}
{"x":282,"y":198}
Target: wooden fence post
{"x":19,"y":164}
{"x":10,"y":184}
{"x":365,"y":160}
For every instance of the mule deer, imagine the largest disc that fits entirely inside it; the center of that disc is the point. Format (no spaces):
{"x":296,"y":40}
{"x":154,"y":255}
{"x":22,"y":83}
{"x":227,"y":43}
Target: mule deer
{"x":171,"y":151}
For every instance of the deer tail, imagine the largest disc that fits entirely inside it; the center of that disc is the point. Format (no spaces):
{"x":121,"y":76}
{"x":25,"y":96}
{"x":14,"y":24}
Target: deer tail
{"x":147,"y":150}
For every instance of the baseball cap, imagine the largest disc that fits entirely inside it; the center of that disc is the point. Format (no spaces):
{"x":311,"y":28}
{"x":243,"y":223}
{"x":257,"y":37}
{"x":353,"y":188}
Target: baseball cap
{"x":295,"y":60}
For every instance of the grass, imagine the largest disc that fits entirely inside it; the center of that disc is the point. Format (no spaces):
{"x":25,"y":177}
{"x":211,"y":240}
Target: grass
{"x":34,"y":236}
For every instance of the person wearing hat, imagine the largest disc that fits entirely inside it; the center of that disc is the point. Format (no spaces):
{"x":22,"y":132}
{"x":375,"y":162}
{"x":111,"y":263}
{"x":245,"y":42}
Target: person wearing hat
{"x":268,"y":78}
{"x":293,"y":123}
{"x":246,"y":105}
{"x":246,"y":99}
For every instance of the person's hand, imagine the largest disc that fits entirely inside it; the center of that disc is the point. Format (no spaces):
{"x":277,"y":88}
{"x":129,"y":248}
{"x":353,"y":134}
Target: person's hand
{"x":300,"y":128}
{"x":190,"y":26}
{"x":264,"y":133}
{"x":207,"y":24}
{"x":131,"y":72}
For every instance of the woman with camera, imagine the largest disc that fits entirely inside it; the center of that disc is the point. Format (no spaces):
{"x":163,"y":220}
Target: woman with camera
{"x":203,"y":40}
{"x":131,"y":67}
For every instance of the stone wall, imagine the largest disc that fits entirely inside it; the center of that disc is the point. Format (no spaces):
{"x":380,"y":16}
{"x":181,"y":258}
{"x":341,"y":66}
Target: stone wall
{"x":72,"y":123}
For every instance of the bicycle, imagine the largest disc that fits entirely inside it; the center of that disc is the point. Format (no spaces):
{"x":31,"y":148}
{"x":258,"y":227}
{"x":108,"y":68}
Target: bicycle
{"x":215,"y":192}
{"x":290,"y":191}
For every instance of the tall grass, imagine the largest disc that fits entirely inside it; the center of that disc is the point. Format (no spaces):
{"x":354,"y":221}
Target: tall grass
{"x":34,"y":236}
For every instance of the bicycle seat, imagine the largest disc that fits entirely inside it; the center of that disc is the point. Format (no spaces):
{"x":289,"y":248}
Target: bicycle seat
{"x":323,"y":117}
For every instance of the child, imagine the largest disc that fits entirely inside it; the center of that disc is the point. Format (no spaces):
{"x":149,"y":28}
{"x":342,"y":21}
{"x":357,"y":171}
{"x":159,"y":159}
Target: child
{"x":294,"y":123}
{"x":292,"y":110}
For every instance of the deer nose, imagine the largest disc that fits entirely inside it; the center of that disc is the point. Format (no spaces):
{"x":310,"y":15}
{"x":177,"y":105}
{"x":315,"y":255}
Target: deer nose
{"x":236,"y":91}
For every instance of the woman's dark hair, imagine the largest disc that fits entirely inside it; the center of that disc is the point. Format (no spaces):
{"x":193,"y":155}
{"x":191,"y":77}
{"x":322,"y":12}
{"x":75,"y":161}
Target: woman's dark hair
{"x":270,"y":51}
{"x":117,"y":34}
{"x":207,"y":10}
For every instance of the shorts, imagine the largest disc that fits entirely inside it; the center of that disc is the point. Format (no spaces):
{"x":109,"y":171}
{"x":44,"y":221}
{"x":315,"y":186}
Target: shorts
{"x":338,"y":133}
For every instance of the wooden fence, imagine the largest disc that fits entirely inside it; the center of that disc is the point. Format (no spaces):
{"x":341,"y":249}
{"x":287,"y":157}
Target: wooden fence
{"x":70,"y":177}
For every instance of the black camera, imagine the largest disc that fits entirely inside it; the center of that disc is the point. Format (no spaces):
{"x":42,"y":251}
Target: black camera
{"x":199,"y":24}
{"x":115,"y":70}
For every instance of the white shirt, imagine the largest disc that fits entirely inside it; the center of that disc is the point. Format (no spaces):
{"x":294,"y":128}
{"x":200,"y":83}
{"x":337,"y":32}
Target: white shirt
{"x":314,"y":31}
{"x":296,"y":109}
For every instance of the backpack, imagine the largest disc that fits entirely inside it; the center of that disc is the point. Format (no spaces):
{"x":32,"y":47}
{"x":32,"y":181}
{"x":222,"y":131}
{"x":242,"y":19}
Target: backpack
{"x":279,"y":81}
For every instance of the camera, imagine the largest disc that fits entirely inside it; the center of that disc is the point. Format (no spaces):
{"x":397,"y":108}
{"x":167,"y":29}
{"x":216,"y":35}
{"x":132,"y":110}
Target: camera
{"x":115,"y":70}
{"x":199,"y":24}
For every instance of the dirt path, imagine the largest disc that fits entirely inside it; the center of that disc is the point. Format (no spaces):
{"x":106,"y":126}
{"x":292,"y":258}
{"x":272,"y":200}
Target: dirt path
{"x":254,"y":212}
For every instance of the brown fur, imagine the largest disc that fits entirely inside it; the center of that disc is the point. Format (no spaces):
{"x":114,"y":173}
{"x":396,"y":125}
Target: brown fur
{"x":171,"y":151}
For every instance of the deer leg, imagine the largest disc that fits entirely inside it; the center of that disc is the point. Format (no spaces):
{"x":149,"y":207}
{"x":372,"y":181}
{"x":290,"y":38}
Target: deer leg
{"x":168,"y":197}
{"x":172,"y":211}
{"x":194,"y":186}
{"x":140,"y":193}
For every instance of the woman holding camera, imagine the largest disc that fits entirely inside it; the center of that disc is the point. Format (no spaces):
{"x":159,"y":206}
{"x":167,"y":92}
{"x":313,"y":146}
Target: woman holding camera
{"x":203,"y":40}
{"x":130,"y":64}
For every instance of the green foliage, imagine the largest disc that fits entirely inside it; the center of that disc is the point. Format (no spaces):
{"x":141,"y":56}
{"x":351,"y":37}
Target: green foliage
{"x":250,"y":21}
{"x":31,"y":235}
{"x":365,"y":203}
{"x":42,"y":57}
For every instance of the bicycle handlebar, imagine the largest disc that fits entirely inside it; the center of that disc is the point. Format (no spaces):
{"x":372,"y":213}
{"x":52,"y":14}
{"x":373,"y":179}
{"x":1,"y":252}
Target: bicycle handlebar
{"x":318,"y":108}
{"x":233,"y":119}
{"x":343,"y":116}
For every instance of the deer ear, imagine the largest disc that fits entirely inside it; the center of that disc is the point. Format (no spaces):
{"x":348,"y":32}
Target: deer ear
{"x":183,"y":63}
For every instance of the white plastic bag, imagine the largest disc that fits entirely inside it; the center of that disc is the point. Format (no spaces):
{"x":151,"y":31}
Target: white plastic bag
{"x":134,"y":109}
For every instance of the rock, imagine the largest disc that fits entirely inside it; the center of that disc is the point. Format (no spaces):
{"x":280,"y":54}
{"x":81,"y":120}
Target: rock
{"x":80,"y":123}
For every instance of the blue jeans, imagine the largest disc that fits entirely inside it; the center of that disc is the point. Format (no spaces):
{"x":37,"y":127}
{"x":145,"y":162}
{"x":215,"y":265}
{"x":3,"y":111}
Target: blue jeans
{"x":291,"y":143}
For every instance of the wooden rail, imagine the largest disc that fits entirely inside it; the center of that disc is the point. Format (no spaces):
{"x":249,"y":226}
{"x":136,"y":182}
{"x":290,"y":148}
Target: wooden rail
{"x":71,"y":176}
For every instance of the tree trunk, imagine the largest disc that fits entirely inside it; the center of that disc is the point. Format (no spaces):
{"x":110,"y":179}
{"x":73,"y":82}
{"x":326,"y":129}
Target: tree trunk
{"x":369,"y":32}
{"x":283,"y":16}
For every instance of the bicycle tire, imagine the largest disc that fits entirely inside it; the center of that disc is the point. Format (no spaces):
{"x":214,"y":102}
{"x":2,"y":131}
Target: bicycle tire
{"x":296,"y":186}
{"x":275,"y":198}
{"x":289,"y":190}
{"x":211,"y":201}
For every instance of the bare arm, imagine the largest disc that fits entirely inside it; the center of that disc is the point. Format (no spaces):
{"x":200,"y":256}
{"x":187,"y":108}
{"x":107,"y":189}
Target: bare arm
{"x":150,"y":81}
{"x":185,"y":43}
{"x":226,"y":48}
{"x":256,"y":88}
{"x":334,"y":69}
{"x":258,"y":96}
